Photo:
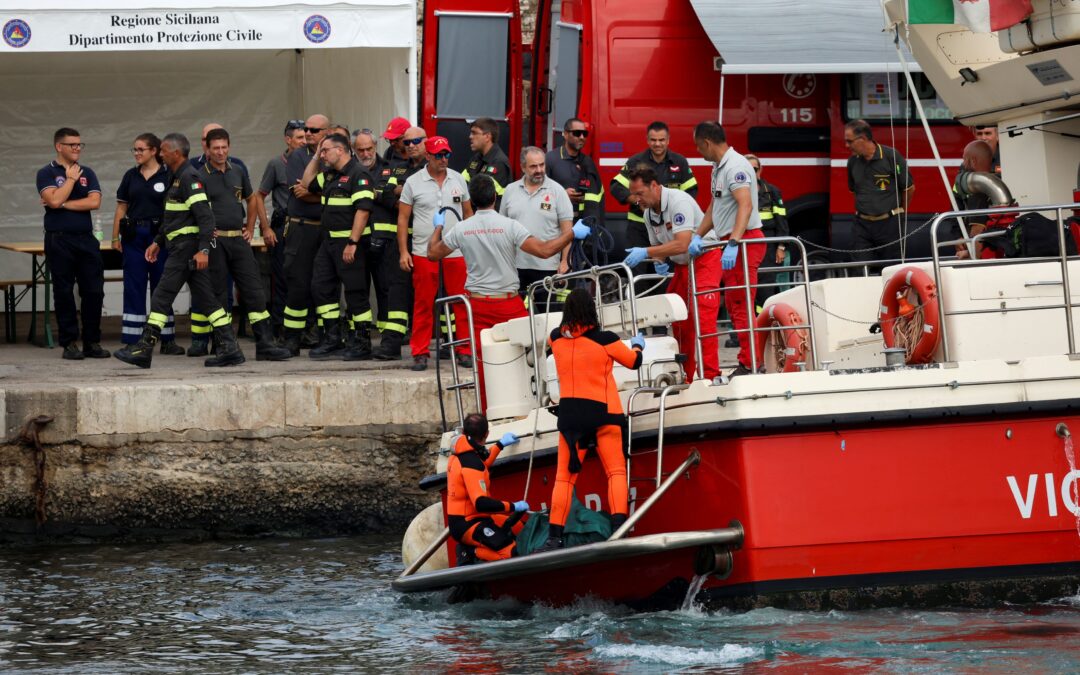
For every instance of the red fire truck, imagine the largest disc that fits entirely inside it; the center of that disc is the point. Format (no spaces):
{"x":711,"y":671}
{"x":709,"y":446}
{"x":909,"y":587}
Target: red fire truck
{"x":772,"y":78}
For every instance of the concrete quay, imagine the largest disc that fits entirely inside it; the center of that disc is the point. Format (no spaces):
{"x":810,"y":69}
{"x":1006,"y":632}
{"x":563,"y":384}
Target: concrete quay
{"x":184,"y":451}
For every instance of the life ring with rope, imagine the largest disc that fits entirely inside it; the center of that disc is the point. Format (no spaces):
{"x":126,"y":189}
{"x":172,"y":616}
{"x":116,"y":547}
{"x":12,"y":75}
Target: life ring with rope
{"x":911,"y":326}
{"x":795,"y":346}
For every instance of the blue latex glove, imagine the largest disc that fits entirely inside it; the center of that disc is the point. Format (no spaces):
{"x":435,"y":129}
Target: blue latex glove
{"x":638,"y":341}
{"x":508,"y":439}
{"x":521,"y":506}
{"x":635,"y":255}
{"x":662,"y":268}
{"x":696,"y":243}
{"x":731,"y":252}
{"x":581,"y":230}
{"x":439,"y":219}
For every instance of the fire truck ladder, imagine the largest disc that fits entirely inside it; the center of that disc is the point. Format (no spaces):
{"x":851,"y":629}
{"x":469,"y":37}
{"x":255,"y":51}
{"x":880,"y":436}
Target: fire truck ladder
{"x":458,"y":385}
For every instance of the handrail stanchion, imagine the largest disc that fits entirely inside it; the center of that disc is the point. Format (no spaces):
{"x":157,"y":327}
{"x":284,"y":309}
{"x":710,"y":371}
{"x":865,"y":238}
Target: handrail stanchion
{"x":699,"y":368}
{"x":445,"y":303}
{"x":1062,"y":252}
{"x":751,"y":314}
{"x":660,"y":429}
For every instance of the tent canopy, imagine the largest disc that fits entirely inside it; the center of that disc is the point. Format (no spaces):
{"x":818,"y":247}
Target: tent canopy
{"x":116,"y":69}
{"x":796,"y":36}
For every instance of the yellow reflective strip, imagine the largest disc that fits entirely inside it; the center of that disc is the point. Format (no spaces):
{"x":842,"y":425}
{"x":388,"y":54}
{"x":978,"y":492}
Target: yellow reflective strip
{"x":216,"y":315}
{"x":176,"y":206}
{"x":465,"y":175}
{"x":190,"y":229}
{"x":396,"y":327}
{"x":255,"y":317}
{"x":340,"y":234}
{"x":321,"y":179}
{"x":634,"y":218}
{"x":362,"y":318}
{"x":589,"y":197}
{"x":779,"y":210}
{"x":622,"y":180}
{"x":386,"y":227}
{"x":195,"y":199}
{"x":392,"y":181}
{"x":363,"y":194}
{"x":198,"y":317}
{"x":330,"y":314}
{"x":293,"y":323}
{"x":296,"y":312}
{"x":688,"y":184}
{"x":765,"y":215}
{"x":156,"y":319}
{"x":337,"y":201}
{"x":222,"y":321}
{"x":322,"y":309}
{"x":499,"y":190}
{"x":404,"y":316}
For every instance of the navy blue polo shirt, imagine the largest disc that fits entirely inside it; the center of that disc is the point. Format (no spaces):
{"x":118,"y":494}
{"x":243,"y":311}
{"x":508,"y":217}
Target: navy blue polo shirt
{"x":145,"y":198}
{"x":200,"y":161}
{"x":53,"y":175}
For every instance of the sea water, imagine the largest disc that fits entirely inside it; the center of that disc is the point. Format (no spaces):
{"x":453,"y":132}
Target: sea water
{"x":299,"y":606}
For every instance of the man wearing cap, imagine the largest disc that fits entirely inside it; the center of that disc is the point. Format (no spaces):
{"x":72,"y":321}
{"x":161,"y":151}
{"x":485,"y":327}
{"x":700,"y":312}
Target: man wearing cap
{"x":543,"y":207}
{"x":490,"y":243}
{"x":275,"y":185}
{"x":426,"y":198}
{"x":395,"y":130}
{"x":346,"y":191}
{"x":301,"y":235}
{"x":488,"y":158}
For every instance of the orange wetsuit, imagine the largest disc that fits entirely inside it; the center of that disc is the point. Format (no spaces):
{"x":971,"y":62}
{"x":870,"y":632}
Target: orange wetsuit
{"x":474,"y":516}
{"x":590,"y":412}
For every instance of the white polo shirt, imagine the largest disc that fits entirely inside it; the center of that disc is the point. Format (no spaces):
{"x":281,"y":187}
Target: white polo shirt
{"x":489,"y":242}
{"x":732,"y":173}
{"x":678,"y":212}
{"x":424,"y":195}
{"x":540,"y":213}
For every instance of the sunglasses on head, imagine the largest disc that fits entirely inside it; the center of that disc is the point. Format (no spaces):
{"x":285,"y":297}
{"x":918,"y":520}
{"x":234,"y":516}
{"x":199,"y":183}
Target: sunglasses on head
{"x":413,"y":141}
{"x":580,"y":133}
{"x":314,"y":130}
{"x":294,"y":124}
{"x":445,"y":154}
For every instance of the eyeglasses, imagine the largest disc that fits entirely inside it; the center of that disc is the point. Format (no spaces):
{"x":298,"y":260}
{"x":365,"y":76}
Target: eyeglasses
{"x":74,"y":146}
{"x":580,"y":133}
{"x":313,"y":130}
{"x":136,"y":151}
{"x":442,"y":155}
{"x":414,"y":141}
{"x":851,"y":141}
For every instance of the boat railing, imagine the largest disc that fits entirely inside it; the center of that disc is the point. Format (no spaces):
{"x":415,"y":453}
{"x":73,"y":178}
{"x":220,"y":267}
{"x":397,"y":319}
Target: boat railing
{"x":661,"y":410}
{"x":1067,"y":305}
{"x":691,"y":460}
{"x":750,"y":291}
{"x":446,"y":304}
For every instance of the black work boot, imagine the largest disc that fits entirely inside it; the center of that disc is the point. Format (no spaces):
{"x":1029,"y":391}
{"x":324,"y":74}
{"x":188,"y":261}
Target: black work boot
{"x":292,"y":341}
{"x":312,"y":337}
{"x":227,"y":351}
{"x":200,"y":345}
{"x":171,"y":348}
{"x":390,"y":347}
{"x":554,"y":541}
{"x":361,"y":347}
{"x":331,"y":345}
{"x":265,"y":347}
{"x":142,"y":352}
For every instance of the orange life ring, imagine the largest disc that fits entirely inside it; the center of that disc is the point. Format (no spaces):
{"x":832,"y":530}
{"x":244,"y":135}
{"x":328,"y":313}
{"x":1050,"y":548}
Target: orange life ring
{"x":914,"y":327}
{"x":795,"y":346}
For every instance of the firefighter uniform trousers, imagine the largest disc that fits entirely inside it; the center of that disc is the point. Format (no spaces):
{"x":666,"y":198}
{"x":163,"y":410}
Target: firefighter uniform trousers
{"x":707,"y":271}
{"x":393,"y":287}
{"x":330,"y":269}
{"x":181,"y":250}
{"x":232,"y":255}
{"x":302,"y":238}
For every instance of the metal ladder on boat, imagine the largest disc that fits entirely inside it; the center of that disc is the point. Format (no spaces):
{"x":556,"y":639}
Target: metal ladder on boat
{"x":458,"y":385}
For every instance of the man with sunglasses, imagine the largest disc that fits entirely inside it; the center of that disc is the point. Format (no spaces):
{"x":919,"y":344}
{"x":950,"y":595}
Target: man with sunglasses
{"x":488,"y":158}
{"x":879,"y":177}
{"x":302,"y":237}
{"x":346,"y":191}
{"x":571,"y":168}
{"x":275,"y":185}
{"x":395,"y":130}
{"x":427,"y":197}
{"x":69,"y":192}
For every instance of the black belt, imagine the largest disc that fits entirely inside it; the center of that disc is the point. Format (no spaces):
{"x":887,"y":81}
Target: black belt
{"x":148,"y":221}
{"x":303,"y":221}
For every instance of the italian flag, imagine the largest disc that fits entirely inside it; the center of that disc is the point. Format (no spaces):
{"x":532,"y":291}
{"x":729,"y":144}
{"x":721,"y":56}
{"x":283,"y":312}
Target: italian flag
{"x":980,"y":16}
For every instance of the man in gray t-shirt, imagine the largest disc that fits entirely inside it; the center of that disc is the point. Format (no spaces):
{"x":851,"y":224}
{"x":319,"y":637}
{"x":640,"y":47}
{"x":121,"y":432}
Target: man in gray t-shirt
{"x":490,"y":242}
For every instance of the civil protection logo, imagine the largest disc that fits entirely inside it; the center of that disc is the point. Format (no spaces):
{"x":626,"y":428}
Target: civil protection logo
{"x":317,"y":28}
{"x":16,"y":33}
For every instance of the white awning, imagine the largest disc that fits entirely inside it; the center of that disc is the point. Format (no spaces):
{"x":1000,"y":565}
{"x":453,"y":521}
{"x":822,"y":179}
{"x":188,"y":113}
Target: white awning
{"x":123,"y":25}
{"x":799,"y":36}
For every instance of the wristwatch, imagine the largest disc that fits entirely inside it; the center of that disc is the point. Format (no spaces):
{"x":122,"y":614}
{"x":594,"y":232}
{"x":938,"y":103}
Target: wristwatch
{"x":352,"y":242}
{"x":732,"y":241}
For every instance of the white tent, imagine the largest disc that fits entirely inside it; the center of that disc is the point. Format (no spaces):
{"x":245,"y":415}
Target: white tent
{"x":114,"y":69}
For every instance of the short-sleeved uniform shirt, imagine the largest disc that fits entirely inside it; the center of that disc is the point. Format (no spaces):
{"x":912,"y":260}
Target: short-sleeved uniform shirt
{"x":732,"y":173}
{"x":201,"y":160}
{"x":227,"y":190}
{"x":275,"y":184}
{"x":424,"y":195}
{"x":878,"y":183}
{"x":294,"y":170}
{"x":187,"y":209}
{"x":678,"y":212}
{"x":489,"y":242}
{"x":145,"y":198}
{"x":53,"y":175}
{"x":343,"y":193}
{"x":540,"y":213}
{"x":673,"y":171}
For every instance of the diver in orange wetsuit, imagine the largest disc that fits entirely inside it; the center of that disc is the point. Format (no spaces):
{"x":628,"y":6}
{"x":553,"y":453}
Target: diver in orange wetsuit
{"x":476,"y":518}
{"x":590,"y":411}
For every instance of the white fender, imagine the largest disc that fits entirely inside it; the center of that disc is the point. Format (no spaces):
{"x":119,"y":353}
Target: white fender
{"x":424,"y":529}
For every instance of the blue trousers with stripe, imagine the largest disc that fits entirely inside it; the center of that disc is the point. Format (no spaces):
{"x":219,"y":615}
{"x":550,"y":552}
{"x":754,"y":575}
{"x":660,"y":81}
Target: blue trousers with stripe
{"x":137,"y":274}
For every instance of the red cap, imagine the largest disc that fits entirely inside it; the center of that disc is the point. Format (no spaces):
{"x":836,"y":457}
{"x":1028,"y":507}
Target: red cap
{"x":397,"y":127}
{"x":437,"y":144}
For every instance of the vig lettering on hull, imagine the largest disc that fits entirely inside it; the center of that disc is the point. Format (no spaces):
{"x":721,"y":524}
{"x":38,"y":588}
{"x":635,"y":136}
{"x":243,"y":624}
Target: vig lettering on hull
{"x":1025,"y":502}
